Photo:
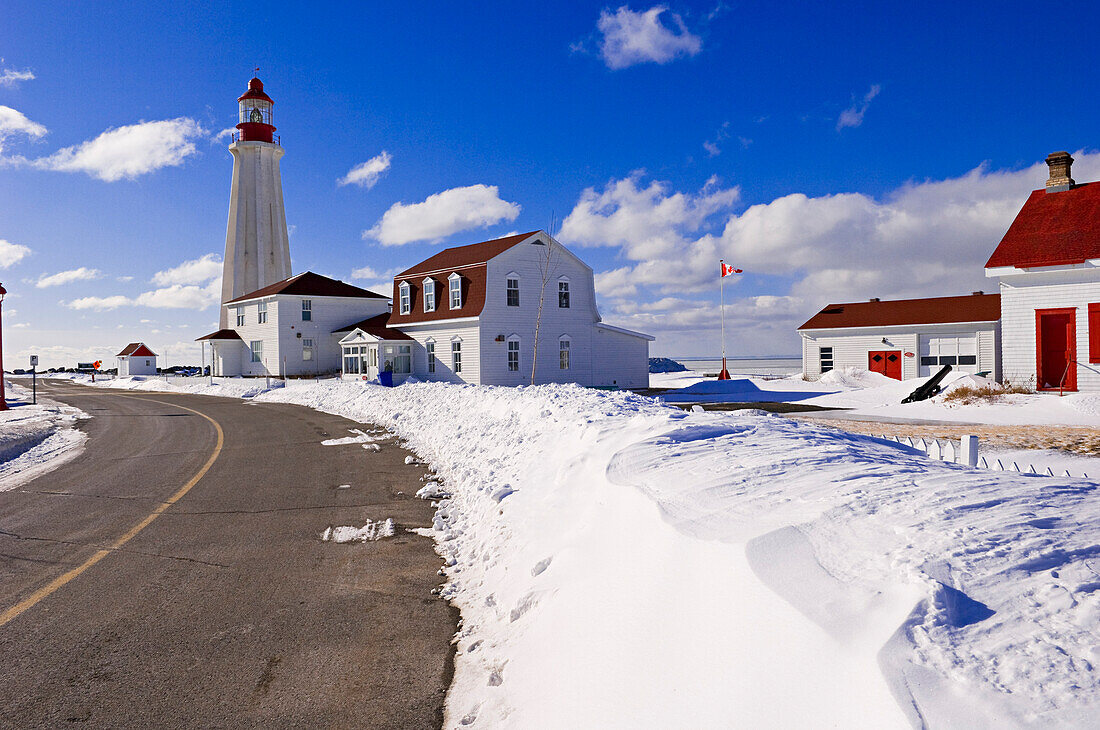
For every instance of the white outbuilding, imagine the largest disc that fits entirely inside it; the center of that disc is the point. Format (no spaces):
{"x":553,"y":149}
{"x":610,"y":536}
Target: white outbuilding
{"x":137,"y":359}
{"x":907,"y":338}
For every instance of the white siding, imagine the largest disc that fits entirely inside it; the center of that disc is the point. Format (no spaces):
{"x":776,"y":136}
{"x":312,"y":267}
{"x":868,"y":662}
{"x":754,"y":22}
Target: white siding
{"x":443,"y":335}
{"x":284,"y":323}
{"x":128,"y":365}
{"x":851,"y":346}
{"x":1021,"y":295}
{"x":622,"y":360}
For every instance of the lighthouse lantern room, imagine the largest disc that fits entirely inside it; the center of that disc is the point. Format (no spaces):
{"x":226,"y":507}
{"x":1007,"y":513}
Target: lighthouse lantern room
{"x":256,"y":121}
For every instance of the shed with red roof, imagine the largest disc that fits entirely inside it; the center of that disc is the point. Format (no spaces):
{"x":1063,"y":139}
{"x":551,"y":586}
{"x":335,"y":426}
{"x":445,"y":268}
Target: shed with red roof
{"x":137,"y":359}
{"x":906,"y":338}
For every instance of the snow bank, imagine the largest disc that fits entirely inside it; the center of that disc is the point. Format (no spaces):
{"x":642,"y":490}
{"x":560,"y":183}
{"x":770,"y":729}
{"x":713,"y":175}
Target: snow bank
{"x":35,"y":438}
{"x":852,"y":377}
{"x":619,"y":563}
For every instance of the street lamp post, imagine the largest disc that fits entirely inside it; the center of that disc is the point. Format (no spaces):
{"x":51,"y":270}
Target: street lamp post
{"x":3,"y":400}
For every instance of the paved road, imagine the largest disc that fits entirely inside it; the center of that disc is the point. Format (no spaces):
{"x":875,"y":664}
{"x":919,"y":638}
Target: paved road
{"x":226,"y":609}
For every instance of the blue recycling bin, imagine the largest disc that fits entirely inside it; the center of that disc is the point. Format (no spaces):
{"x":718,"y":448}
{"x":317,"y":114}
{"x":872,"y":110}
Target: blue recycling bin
{"x":386,"y":378}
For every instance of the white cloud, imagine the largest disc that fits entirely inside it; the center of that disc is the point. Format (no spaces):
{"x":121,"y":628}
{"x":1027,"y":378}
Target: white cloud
{"x":67,"y":277}
{"x":11,"y":77}
{"x":926,"y":238}
{"x":853,"y":115}
{"x":368,"y":273}
{"x":367,"y":174}
{"x":98,"y":304}
{"x":13,"y":122}
{"x":124,"y":279}
{"x":178,"y":296}
{"x":12,"y":253}
{"x":130,"y":151}
{"x":631,"y":37}
{"x":443,"y":214}
{"x":197,"y":271}
{"x":223,"y":136}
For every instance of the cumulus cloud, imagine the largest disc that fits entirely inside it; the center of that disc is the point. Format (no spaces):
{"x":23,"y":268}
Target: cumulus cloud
{"x":67,"y":277}
{"x":196,"y":271}
{"x":369,"y":273}
{"x":631,"y":37}
{"x":10,"y":77}
{"x":194,"y":284}
{"x":13,"y":122}
{"x":129,"y":151}
{"x":223,"y":136}
{"x":365,"y":175}
{"x":443,"y":214}
{"x":926,"y":238}
{"x":853,"y":115}
{"x":12,"y":253}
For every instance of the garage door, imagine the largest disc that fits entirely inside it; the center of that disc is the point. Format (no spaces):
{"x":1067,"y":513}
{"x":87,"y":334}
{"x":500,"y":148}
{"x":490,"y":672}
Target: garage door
{"x":960,"y":351}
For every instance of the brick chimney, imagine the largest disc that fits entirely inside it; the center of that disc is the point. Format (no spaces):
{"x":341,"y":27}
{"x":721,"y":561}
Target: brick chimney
{"x":1059,"y":164}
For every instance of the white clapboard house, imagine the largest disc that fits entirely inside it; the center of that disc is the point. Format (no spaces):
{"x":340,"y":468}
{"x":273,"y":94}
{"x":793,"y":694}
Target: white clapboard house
{"x":469,"y":314}
{"x":1048,"y":264}
{"x":289,"y":328}
{"x":137,"y":359}
{"x":906,"y":338}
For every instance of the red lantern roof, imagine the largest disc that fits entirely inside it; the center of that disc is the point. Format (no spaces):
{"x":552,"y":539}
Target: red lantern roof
{"x":255,"y":91}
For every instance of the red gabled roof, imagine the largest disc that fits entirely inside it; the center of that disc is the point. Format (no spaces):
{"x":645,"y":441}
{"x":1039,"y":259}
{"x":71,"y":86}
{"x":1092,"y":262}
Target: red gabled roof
{"x":468,"y":262}
{"x":376,"y":327}
{"x":310,"y":285}
{"x":136,"y":349}
{"x":459,"y":256}
{"x":1053,"y":229}
{"x":934,"y":310}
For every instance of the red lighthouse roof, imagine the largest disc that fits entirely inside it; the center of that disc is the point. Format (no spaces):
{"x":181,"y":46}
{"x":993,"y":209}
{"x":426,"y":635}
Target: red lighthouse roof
{"x":255,"y":91}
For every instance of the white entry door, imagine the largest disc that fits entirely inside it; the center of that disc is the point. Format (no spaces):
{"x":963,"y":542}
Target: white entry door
{"x":960,"y":351}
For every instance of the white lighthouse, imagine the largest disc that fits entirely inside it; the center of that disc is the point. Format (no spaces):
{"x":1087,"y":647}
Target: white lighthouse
{"x":257,"y":249}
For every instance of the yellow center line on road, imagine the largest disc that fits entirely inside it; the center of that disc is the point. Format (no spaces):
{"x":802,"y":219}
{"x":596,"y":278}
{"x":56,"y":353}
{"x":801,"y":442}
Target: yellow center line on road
{"x":30,"y":601}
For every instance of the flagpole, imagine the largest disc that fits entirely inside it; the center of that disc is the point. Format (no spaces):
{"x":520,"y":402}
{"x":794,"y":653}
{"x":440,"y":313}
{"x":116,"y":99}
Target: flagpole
{"x":725,"y":374}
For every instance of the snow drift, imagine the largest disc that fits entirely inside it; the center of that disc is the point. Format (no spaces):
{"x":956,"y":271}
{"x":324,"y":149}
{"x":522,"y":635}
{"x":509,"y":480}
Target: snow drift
{"x":620,"y":563}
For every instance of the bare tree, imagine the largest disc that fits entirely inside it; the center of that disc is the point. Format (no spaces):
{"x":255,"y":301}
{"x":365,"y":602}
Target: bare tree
{"x":547,"y":265}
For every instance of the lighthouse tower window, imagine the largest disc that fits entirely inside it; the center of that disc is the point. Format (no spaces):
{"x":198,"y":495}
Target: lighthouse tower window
{"x":255,"y":111}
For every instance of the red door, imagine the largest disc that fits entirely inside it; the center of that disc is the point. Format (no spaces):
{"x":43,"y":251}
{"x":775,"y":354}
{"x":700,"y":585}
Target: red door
{"x":1056,"y":349}
{"x":886,"y":362}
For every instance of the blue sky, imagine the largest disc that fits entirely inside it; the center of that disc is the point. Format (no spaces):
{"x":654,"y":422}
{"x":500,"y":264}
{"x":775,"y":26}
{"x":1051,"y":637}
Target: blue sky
{"x":833,"y":151}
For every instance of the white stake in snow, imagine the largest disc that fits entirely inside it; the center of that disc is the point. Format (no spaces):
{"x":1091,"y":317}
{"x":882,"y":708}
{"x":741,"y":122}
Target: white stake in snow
{"x":969,"y":454}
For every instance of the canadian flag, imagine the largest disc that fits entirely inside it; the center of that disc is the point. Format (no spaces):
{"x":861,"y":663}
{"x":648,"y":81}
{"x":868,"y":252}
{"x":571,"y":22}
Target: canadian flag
{"x":727,"y":270}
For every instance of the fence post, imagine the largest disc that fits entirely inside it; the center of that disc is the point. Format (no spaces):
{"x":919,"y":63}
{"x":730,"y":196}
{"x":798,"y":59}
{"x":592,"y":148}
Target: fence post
{"x":969,"y":454}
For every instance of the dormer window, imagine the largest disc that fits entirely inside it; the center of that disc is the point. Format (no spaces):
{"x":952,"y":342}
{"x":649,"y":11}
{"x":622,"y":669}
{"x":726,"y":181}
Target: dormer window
{"x":429,"y":294}
{"x":405,"y":298}
{"x":454,"y":282}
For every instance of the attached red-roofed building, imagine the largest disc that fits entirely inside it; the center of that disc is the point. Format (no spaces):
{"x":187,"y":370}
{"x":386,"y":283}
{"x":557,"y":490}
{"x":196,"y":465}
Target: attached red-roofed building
{"x":1048,"y":265}
{"x":906,"y":338}
{"x":137,"y":359}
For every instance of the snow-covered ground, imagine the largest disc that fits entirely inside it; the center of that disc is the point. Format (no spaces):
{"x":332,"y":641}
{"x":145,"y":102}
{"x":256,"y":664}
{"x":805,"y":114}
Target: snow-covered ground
{"x":623,"y":564}
{"x":876,"y":396}
{"x":35,"y":438}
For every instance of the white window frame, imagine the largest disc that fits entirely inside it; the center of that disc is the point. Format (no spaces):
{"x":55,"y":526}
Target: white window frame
{"x":261,"y":313}
{"x":565,"y":344}
{"x":350,"y":358}
{"x":404,"y":298}
{"x":512,"y":351}
{"x":256,"y":351}
{"x":307,"y":348}
{"x":456,"y":355}
{"x":508,"y":289}
{"x":429,"y":294}
{"x":240,"y":316}
{"x":429,"y":347}
{"x":825,"y":359}
{"x":399,"y":356}
{"x":564,"y":281}
{"x":307,"y":310}
{"x":454,"y":288}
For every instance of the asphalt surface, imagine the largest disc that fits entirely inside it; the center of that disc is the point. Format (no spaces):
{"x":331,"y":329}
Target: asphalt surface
{"x":227,"y":609}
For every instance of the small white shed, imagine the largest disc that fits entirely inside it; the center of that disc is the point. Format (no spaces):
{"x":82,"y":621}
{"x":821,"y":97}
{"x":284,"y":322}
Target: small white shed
{"x":137,"y":359}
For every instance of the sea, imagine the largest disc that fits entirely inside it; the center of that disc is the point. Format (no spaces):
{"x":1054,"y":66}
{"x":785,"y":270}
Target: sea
{"x":758,"y":366}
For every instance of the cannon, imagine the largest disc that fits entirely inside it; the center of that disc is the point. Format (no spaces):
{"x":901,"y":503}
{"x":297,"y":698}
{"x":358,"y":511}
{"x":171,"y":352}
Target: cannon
{"x":929,"y":388}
